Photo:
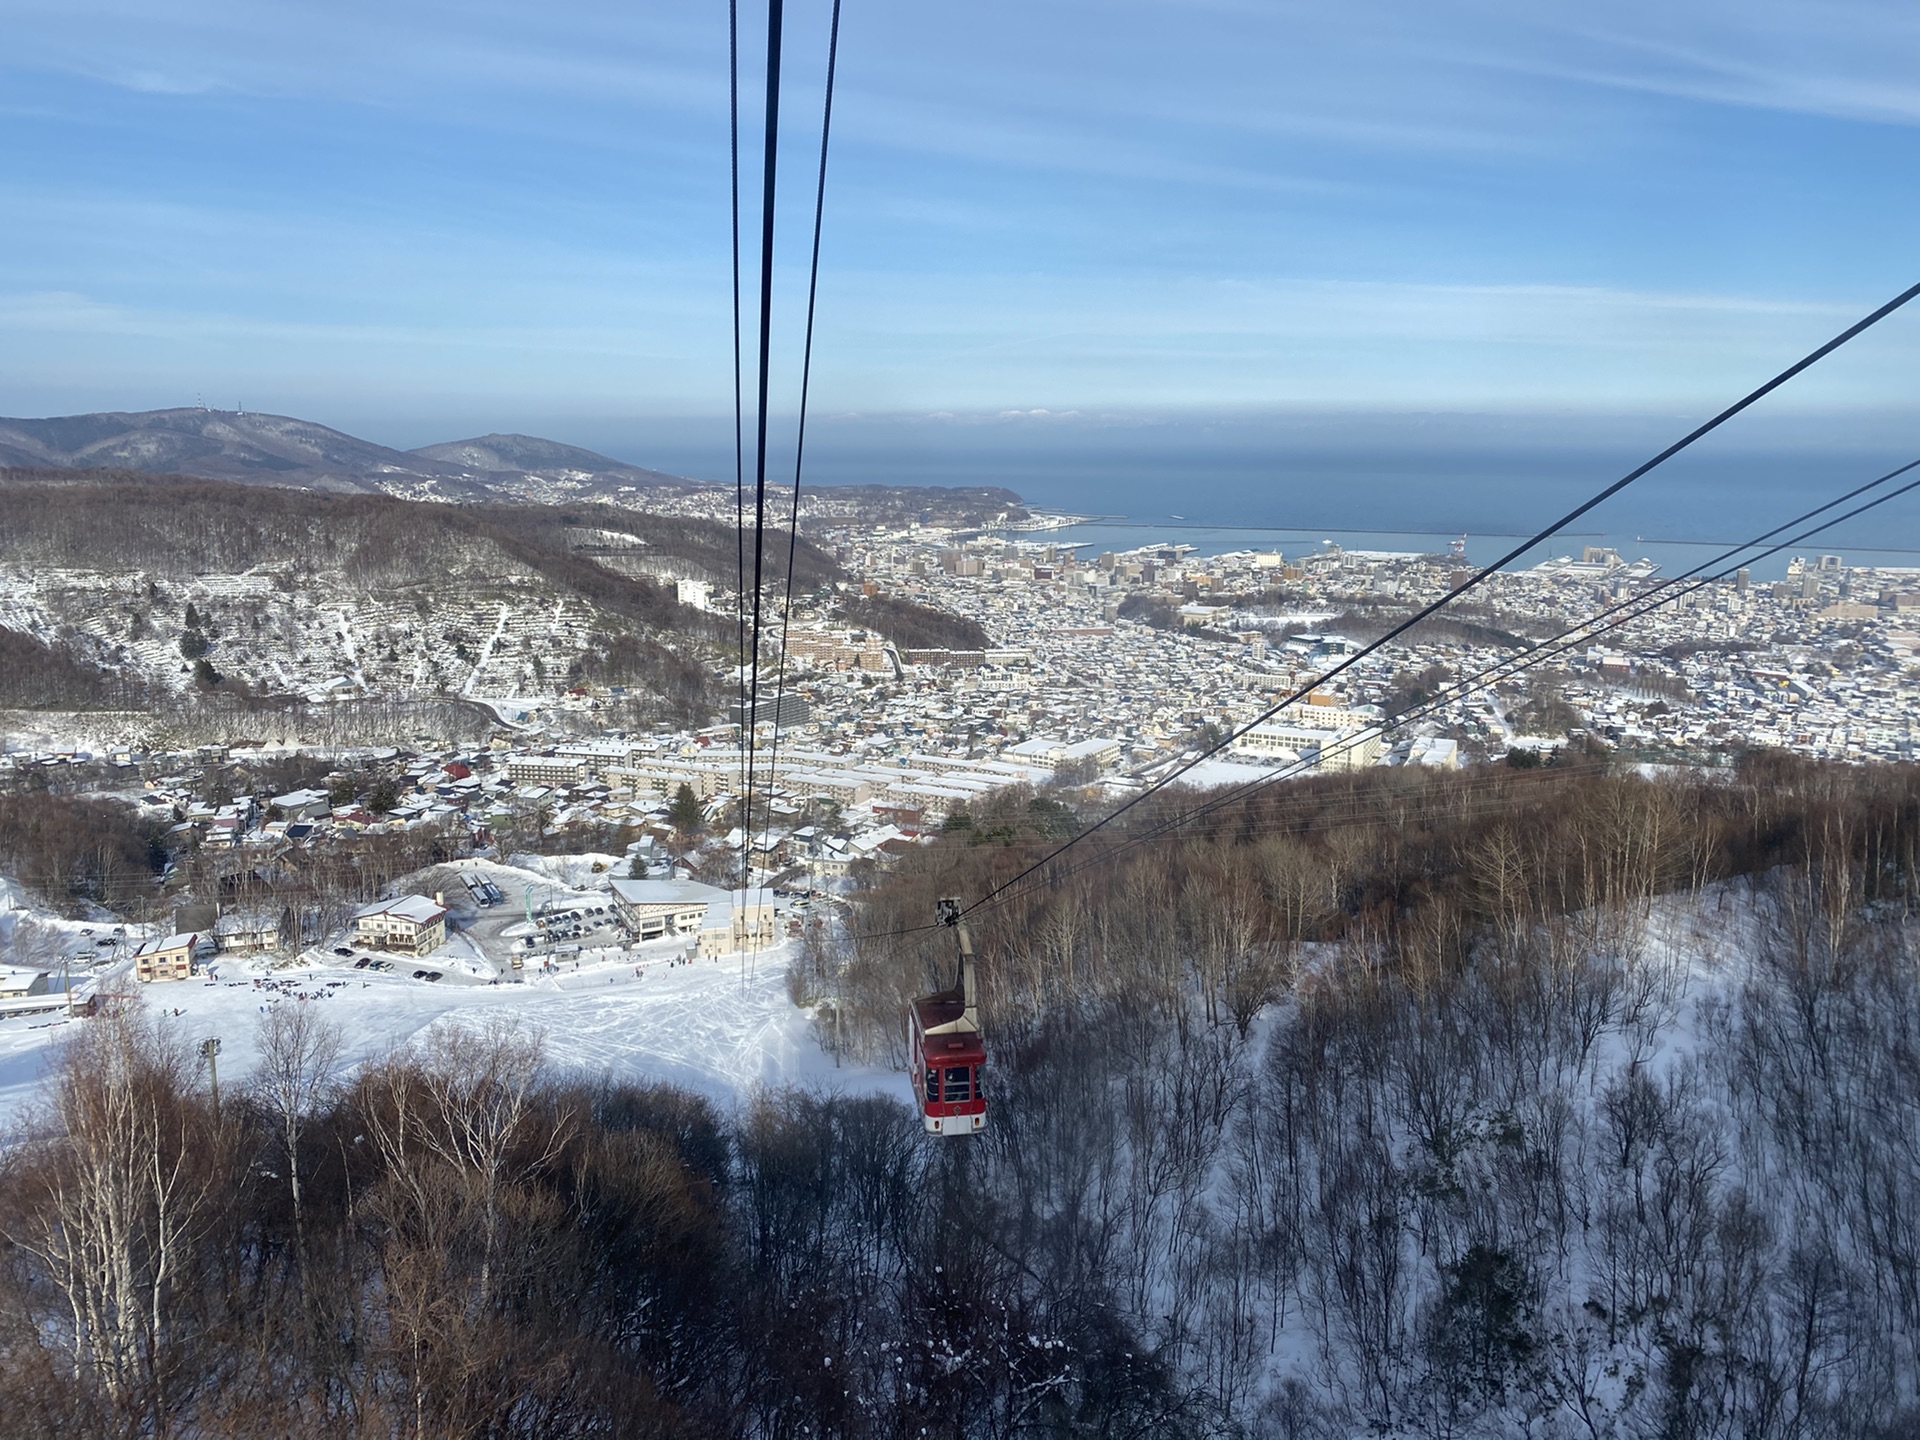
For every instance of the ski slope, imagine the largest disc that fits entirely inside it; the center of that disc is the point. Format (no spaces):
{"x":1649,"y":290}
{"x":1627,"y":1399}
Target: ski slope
{"x":722,"y":1028}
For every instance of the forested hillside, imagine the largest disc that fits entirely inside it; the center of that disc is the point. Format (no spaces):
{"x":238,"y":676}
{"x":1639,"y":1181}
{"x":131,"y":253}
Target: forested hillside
{"x":1542,"y":1104}
{"x":1511,"y":1103}
{"x":118,"y":584}
{"x":912,"y":626}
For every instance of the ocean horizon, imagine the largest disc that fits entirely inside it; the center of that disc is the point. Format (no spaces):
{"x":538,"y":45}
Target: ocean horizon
{"x":1397,"y":481}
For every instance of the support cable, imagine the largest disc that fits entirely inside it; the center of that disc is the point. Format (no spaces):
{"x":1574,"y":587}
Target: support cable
{"x":1687,"y":583}
{"x":1640,"y":606}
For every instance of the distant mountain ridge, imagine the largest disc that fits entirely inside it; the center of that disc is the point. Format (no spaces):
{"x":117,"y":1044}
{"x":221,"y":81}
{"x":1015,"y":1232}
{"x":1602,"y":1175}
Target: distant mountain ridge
{"x":529,"y":454}
{"x":280,"y":450}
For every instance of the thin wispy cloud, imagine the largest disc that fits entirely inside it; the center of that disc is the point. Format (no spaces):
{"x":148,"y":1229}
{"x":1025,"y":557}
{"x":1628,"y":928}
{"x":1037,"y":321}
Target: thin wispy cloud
{"x":1052,"y":205}
{"x":1845,"y":59}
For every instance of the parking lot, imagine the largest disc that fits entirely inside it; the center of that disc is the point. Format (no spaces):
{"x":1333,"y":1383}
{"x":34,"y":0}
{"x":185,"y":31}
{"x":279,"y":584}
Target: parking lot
{"x":387,"y":963}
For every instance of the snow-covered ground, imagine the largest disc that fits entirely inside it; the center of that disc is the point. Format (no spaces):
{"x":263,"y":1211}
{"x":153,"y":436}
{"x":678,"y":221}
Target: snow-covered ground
{"x":590,"y":871}
{"x":722,"y":1028}
{"x":1214,"y":774}
{"x":33,"y":937}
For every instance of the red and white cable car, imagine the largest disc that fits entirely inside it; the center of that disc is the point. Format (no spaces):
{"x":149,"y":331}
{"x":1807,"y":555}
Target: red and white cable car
{"x":945,"y":1048}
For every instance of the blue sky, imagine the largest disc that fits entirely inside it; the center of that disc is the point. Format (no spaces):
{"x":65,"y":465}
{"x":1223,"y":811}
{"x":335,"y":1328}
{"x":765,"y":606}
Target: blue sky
{"x":420,"y":220}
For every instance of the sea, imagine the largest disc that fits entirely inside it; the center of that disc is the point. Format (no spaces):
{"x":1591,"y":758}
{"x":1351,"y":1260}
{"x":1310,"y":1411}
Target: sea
{"x":1698,"y":519}
{"x":1414,"y":484}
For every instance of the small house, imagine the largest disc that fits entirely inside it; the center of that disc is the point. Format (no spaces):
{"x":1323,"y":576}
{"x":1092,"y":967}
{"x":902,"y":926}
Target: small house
{"x":167,"y":959}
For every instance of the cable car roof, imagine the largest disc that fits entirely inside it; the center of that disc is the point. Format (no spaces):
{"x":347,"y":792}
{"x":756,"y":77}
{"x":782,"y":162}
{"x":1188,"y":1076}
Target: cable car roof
{"x":964,"y":1048}
{"x":934,"y":1013}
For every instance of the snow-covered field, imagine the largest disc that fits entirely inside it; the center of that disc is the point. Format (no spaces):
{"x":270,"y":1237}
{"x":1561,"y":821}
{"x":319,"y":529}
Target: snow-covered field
{"x":721,"y":1028}
{"x":1214,"y":774}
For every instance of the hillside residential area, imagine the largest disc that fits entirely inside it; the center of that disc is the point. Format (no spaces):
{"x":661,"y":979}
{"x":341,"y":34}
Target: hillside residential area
{"x":1103,"y":673}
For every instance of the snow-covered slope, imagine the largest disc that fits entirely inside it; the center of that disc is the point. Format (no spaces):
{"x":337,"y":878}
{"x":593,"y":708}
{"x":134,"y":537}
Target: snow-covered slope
{"x":721,"y":1028}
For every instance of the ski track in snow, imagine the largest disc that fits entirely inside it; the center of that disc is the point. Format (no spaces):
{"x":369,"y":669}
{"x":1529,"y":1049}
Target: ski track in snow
{"x":352,"y":650}
{"x":486,"y":651}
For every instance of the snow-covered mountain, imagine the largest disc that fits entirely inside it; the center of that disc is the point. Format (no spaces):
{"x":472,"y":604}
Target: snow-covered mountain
{"x":280,"y":450}
{"x":530,"y":455}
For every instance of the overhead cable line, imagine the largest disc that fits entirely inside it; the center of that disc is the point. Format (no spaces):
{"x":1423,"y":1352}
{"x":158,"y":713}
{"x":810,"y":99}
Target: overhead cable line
{"x":739,"y":424}
{"x":806,"y":380}
{"x":1640,"y":606}
{"x":1479,"y":577}
{"x":768,"y":188}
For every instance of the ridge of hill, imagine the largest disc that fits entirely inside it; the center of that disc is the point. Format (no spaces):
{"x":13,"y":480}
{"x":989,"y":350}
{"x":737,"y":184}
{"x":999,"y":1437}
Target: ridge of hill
{"x":529,"y":454}
{"x":214,"y":445}
{"x":137,"y":591}
{"x":279,"y":450}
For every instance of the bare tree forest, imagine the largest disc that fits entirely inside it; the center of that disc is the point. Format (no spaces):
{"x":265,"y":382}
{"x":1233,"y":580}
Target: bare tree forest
{"x":37,"y":676}
{"x":913,"y":626}
{"x":170,"y":530}
{"x":1530,"y":1104}
{"x":179,"y":526}
{"x":74,"y":849}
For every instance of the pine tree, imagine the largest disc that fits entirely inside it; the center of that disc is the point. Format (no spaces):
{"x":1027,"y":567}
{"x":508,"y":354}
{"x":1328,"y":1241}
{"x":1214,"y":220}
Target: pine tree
{"x":685,"y":813}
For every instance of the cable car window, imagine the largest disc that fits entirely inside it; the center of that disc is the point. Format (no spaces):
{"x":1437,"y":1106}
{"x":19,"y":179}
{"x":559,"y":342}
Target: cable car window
{"x":933,"y":1085}
{"x":959,"y":1084}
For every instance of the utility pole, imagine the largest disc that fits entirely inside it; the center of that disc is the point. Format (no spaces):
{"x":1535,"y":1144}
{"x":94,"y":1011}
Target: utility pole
{"x":210,"y":1048}
{"x":839,"y":968}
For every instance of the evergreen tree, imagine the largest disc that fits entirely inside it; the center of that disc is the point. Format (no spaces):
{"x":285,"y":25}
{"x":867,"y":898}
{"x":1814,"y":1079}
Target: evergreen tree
{"x":686,"y":814}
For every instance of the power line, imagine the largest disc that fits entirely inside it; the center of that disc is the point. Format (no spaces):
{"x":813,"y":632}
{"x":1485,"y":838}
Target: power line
{"x":1480,"y":576}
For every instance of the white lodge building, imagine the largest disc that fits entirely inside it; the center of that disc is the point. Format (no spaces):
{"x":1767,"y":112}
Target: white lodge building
{"x":413,"y":924}
{"x":719,"y":922}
